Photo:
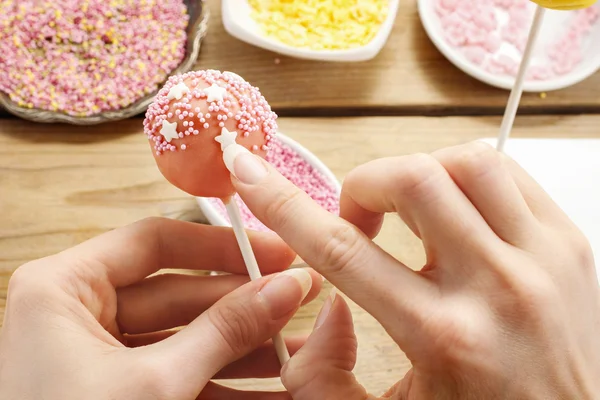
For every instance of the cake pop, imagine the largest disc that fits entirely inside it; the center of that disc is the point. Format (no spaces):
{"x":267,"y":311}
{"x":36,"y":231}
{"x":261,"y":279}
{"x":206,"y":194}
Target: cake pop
{"x":195,"y":117}
{"x":564,"y":4}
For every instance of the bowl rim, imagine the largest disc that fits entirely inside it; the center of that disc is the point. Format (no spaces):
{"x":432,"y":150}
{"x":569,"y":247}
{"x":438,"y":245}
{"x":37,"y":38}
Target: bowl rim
{"x":362,"y":53}
{"x":478,"y":73}
{"x":200,"y":28}
{"x":216,"y":219}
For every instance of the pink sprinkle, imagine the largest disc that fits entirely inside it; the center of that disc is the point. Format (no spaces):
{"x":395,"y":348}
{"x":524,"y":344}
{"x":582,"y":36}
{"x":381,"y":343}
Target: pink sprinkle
{"x":485,"y":39}
{"x":253,"y":108}
{"x":183,"y":147}
{"x":475,"y":54}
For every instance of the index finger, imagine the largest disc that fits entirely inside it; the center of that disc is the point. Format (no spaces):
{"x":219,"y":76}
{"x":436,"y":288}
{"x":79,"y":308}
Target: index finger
{"x":128,"y":254}
{"x":332,"y":246}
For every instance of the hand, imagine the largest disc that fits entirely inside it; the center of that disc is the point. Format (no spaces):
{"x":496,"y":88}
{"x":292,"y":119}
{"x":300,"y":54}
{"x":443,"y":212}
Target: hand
{"x":89,"y":323}
{"x":507,"y":305}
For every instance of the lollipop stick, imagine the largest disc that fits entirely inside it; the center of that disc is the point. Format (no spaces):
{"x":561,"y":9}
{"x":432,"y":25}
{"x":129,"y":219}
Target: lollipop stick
{"x":251,"y":265}
{"x":517,"y":91}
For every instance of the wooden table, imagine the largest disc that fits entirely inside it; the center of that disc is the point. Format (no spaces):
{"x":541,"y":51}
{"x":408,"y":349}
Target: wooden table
{"x":60,"y":185}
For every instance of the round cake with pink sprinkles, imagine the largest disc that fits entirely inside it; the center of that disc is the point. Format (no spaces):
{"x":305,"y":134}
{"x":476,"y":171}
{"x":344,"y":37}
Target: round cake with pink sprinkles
{"x":85,"y":57}
{"x":194,"y":117}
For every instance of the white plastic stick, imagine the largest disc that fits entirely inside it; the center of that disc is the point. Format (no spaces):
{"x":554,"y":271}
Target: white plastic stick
{"x":252,"y":266}
{"x":517,"y":91}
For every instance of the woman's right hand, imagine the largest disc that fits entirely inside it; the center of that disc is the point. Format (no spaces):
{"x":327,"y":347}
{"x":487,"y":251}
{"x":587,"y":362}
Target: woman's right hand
{"x":507,"y":305}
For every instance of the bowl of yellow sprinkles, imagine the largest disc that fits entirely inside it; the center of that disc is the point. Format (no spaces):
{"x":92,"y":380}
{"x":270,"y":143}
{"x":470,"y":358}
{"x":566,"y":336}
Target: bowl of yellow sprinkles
{"x":327,"y":30}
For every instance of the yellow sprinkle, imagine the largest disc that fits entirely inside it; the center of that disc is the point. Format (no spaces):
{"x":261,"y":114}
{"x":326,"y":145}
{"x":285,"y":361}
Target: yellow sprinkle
{"x":543,"y":95}
{"x":321,"y":24}
{"x":51,"y":24}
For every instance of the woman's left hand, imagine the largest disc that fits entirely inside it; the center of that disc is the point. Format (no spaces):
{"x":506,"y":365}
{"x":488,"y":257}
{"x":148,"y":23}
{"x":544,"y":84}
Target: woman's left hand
{"x":89,"y":323}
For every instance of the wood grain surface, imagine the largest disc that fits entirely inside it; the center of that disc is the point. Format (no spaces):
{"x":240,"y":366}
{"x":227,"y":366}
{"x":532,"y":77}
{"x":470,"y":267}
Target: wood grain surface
{"x":60,"y":185}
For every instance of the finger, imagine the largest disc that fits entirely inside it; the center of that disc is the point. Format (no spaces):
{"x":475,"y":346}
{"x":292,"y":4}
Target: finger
{"x":367,"y":221}
{"x":322,"y":369}
{"x":171,"y":300}
{"x":420,"y":190}
{"x":261,"y":363}
{"x":336,"y":249}
{"x":214,"y":391}
{"x":127,"y":255}
{"x":543,"y":207}
{"x":236,"y":325}
{"x":480,"y":172}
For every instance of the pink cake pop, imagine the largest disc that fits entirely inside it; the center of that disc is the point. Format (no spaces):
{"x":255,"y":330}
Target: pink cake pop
{"x":195,"y":120}
{"x":194,"y":117}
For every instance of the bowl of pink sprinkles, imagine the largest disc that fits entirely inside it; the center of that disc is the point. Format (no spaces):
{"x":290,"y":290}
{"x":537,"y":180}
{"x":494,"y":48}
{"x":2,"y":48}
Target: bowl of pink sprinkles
{"x":299,"y":166}
{"x":487,"y":38}
{"x":92,"y":61}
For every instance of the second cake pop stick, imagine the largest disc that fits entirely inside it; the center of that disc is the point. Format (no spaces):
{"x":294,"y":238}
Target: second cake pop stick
{"x":517,"y":90}
{"x":252,"y":265}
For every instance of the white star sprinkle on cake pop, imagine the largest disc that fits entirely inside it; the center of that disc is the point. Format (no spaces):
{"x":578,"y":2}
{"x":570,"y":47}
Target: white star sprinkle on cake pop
{"x":215,"y":93}
{"x":226,"y":138}
{"x":178,"y":91}
{"x":169,"y":131}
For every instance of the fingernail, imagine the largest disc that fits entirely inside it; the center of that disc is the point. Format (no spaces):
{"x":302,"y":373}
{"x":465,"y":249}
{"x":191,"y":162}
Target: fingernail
{"x":326,"y":308}
{"x":279,"y":294}
{"x":244,"y":165}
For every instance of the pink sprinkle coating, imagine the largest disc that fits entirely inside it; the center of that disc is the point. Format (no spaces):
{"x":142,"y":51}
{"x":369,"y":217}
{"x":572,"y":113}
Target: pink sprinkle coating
{"x":296,"y":169}
{"x":85,"y":57}
{"x":477,"y":30}
{"x":249,"y":104}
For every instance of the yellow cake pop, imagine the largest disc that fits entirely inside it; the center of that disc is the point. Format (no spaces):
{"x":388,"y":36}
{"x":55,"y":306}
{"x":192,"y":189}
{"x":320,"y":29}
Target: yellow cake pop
{"x":565,"y":4}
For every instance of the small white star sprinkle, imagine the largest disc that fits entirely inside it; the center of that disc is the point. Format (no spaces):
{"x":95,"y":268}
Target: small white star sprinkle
{"x":177,"y":91}
{"x":169,"y":131}
{"x":226,"y":138}
{"x":215,"y":93}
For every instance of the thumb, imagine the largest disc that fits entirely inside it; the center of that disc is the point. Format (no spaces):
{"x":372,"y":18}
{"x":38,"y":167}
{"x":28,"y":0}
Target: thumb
{"x":322,"y":368}
{"x":230,"y":329}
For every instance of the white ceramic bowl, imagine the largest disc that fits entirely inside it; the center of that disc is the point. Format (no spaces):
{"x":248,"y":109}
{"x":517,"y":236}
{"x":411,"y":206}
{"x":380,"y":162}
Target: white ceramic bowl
{"x":239,"y":23}
{"x":215,"y":218}
{"x":553,"y":21}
